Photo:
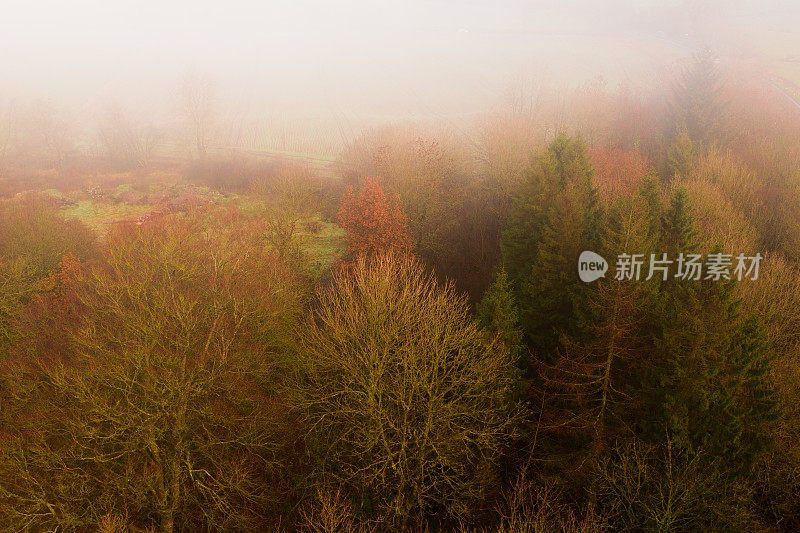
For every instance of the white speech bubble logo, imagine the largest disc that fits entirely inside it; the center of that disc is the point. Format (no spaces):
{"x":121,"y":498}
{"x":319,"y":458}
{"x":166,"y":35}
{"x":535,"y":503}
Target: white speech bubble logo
{"x":591,"y":266}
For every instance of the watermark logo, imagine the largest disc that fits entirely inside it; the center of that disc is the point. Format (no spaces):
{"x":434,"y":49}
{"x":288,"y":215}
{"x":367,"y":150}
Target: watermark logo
{"x":591,"y":266}
{"x":691,"y":267}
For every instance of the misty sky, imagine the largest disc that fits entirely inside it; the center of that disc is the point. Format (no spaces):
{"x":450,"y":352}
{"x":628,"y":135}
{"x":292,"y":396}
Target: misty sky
{"x":353,"y":51}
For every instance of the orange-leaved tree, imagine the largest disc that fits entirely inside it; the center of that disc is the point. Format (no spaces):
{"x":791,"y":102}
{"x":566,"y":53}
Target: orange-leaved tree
{"x":373,"y":220}
{"x":617,"y":172}
{"x":64,"y":278}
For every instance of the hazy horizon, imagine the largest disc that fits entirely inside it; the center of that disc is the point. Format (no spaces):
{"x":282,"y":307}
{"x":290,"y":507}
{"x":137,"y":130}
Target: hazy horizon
{"x":394,"y":55}
{"x":313,"y":68}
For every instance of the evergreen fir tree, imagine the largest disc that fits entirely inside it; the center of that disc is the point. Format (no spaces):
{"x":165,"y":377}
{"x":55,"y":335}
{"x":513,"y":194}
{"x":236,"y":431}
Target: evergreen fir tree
{"x":556,"y":219}
{"x":709,"y":389}
{"x":564,"y":161}
{"x":697,"y":104}
{"x":717,"y":396}
{"x":497,"y":312}
{"x":590,"y":390}
{"x":681,"y":155}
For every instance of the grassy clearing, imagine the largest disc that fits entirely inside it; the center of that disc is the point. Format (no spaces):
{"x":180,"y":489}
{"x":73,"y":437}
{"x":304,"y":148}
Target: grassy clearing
{"x":55,"y":193}
{"x":100,"y":215}
{"x":322,"y":245}
{"x":323,"y":248}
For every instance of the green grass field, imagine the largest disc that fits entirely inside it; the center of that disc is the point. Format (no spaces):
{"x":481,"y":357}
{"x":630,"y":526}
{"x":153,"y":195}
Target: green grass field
{"x":324,"y":248}
{"x":101,"y":215}
{"x":321,"y":248}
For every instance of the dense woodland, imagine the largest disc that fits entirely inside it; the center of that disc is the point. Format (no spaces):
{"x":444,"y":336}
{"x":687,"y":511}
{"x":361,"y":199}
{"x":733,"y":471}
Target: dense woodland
{"x":202,"y":369}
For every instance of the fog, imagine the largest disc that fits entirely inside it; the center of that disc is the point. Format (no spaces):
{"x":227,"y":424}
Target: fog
{"x":404,"y":50}
{"x":359,"y":62}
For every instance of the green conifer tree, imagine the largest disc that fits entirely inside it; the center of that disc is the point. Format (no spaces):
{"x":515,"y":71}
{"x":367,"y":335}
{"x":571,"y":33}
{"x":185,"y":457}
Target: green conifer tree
{"x":709,"y":388}
{"x":681,"y":155}
{"x":697,"y":102}
{"x":497,"y":312}
{"x":551,"y":223}
{"x":590,"y":390}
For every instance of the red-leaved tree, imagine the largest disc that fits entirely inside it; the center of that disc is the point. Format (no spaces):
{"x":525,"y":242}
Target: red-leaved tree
{"x":617,"y":172}
{"x":373,"y":220}
{"x":64,"y":278}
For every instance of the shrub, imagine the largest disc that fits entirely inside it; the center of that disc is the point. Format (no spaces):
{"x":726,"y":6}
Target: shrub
{"x":32,"y":231}
{"x":34,"y":240}
{"x":232,"y":174}
{"x":331,"y":511}
{"x":528,"y":507}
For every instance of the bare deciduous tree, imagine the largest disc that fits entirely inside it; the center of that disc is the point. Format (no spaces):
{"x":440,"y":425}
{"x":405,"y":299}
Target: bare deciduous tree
{"x":198,"y":102}
{"x":288,"y":197}
{"x":409,"y":398}
{"x":125,"y":142}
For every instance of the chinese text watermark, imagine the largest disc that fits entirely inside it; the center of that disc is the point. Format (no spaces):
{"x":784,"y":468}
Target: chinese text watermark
{"x":686,"y":266}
